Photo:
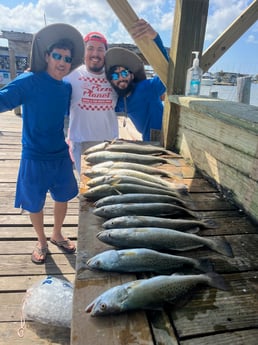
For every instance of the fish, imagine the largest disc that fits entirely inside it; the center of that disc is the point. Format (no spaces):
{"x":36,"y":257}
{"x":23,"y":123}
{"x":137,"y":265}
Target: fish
{"x":102,"y":156}
{"x":100,"y":191}
{"x":142,"y":209}
{"x":145,"y":260}
{"x":148,"y":169}
{"x":152,"y":293}
{"x":134,"y":177}
{"x":121,"y":146}
{"x":146,"y":221}
{"x":143,"y":198}
{"x":162,"y":239}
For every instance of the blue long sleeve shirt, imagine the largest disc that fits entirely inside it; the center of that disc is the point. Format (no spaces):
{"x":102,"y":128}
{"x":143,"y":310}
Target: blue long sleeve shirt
{"x":144,"y":105}
{"x":45,"y":101}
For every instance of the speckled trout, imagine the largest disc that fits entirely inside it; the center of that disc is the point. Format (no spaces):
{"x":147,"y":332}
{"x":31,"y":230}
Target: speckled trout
{"x":147,"y":221}
{"x":121,"y":146}
{"x":147,"y":169}
{"x":102,"y":156}
{"x":142,"y":198}
{"x":143,"y":209}
{"x":100,"y":191}
{"x":145,"y":260}
{"x":162,"y":239}
{"x":152,"y":293}
{"x":137,"y":177}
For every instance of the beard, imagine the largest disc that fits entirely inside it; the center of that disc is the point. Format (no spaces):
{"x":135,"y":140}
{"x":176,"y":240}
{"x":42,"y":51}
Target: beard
{"x":124,"y":92}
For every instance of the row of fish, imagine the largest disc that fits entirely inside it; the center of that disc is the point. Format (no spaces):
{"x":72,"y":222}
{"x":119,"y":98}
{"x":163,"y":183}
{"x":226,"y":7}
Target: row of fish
{"x":140,"y":210}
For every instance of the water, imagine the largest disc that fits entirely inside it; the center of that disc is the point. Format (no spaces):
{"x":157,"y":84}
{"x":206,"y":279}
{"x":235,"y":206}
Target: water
{"x":229,"y":93}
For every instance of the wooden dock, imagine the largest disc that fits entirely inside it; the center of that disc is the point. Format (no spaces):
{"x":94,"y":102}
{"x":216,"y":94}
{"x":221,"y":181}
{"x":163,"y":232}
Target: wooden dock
{"x":211,"y":317}
{"x":17,"y":239}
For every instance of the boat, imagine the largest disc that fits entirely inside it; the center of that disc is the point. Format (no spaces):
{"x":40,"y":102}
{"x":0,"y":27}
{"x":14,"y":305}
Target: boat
{"x":207,"y":79}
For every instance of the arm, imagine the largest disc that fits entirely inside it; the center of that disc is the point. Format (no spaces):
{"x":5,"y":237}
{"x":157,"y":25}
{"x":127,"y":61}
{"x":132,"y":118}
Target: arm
{"x":142,"y":29}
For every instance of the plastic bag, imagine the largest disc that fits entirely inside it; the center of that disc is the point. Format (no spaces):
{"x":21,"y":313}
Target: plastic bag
{"x":50,"y":302}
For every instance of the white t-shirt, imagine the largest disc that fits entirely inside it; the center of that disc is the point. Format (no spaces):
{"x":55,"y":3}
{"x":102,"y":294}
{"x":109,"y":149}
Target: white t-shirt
{"x":92,"y":115}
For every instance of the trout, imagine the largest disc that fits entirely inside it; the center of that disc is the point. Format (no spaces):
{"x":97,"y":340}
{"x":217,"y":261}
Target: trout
{"x":102,"y":156}
{"x":143,"y":198}
{"x":146,"y":221}
{"x":131,"y":177}
{"x":145,"y":260}
{"x":162,"y":239}
{"x":143,"y":209}
{"x":147,"y":169}
{"x":152,"y":293}
{"x":100,"y":191}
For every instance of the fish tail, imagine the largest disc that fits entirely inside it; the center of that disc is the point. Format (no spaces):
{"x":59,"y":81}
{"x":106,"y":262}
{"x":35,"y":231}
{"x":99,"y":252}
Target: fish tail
{"x":204,"y":265}
{"x":221,"y":246}
{"x":217,"y":281}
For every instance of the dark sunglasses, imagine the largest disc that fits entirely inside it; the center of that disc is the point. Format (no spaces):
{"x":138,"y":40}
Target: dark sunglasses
{"x":124,"y":73}
{"x":57,"y":56}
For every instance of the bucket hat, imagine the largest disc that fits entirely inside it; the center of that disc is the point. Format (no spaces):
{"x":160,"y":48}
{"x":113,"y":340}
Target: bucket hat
{"x":49,"y":35}
{"x":124,"y":57}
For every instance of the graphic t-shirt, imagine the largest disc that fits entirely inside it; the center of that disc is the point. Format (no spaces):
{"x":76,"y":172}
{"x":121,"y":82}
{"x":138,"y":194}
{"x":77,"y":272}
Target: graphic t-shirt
{"x":92,"y":115}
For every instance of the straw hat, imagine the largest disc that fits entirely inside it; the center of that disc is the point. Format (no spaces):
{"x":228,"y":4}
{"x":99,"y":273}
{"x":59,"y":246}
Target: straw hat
{"x":123,"y":57}
{"x":50,"y":35}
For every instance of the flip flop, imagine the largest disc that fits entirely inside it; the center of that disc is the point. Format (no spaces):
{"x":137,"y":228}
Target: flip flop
{"x":64,"y":245}
{"x":40,"y":252}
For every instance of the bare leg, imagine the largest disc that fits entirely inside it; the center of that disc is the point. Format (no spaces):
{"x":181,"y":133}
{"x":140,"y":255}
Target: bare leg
{"x":60,"y":209}
{"x":38,"y":224}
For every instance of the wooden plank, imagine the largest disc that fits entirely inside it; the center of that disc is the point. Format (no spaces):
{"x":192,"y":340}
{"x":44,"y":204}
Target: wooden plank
{"x":245,"y":337}
{"x":15,"y":247}
{"x":22,"y":283}
{"x":55,"y":264}
{"x":147,"y":46}
{"x":23,"y":232}
{"x":35,"y":333}
{"x":215,"y":310}
{"x":240,"y":25}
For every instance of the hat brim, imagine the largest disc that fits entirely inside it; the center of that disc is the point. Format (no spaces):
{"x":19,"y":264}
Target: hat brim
{"x":123,"y":57}
{"x":50,"y":35}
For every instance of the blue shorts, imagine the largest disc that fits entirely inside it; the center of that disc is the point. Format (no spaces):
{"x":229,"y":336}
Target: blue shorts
{"x":36,"y":178}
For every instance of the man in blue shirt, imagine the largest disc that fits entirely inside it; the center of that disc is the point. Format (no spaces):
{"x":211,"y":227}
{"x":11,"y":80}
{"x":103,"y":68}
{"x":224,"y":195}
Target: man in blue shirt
{"x":139,"y":98}
{"x":45,"y":161}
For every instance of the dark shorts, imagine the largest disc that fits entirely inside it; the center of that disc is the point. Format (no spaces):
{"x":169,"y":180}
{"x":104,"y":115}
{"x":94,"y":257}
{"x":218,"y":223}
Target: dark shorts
{"x":36,"y":178}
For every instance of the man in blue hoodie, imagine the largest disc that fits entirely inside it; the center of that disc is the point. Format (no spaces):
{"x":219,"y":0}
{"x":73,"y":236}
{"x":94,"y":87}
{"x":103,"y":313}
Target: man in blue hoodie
{"x":139,"y":98}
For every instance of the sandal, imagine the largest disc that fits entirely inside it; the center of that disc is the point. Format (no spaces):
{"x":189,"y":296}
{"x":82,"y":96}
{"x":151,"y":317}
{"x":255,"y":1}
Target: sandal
{"x":37,"y":252}
{"x":66,"y":245}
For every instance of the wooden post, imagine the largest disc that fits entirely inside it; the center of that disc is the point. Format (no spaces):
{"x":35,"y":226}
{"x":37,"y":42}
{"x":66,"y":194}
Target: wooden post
{"x":243,"y":89}
{"x":188,"y":35}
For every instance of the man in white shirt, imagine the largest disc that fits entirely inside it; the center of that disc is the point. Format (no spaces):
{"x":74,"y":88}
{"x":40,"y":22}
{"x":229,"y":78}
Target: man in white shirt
{"x":92,"y":115}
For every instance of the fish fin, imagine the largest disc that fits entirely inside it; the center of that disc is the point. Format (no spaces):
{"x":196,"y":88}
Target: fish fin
{"x":217,"y":281}
{"x":221,"y":245}
{"x":204,"y":265}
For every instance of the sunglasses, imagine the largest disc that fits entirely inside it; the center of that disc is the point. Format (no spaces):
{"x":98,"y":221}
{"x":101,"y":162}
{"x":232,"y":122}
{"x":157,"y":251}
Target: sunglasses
{"x":57,"y":56}
{"x":124,"y":73}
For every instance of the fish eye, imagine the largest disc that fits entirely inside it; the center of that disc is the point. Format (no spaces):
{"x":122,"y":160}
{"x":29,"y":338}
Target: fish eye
{"x":103,"y":306}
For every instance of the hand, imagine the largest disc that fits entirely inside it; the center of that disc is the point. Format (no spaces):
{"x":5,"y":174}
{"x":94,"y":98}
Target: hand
{"x":142,"y":29}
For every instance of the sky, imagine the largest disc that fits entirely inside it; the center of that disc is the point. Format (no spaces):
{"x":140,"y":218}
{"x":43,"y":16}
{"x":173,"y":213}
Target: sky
{"x":96,"y":15}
